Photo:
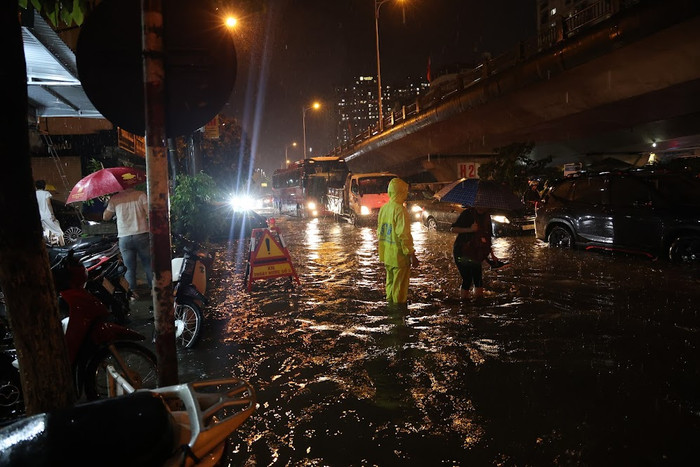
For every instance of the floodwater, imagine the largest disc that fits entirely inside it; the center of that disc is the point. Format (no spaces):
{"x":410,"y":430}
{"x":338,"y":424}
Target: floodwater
{"x":572,"y":357}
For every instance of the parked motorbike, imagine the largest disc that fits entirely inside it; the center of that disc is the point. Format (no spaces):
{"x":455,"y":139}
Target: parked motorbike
{"x":186,"y":425}
{"x":190,"y":286}
{"x":103,"y":262}
{"x":11,"y":399}
{"x":95,"y":343}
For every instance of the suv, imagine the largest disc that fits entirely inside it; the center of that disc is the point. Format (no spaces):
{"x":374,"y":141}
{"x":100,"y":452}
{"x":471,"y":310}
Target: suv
{"x":652,"y":213}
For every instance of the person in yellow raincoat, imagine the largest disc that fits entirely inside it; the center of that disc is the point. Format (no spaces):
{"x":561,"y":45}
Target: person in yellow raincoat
{"x":396,"y":242}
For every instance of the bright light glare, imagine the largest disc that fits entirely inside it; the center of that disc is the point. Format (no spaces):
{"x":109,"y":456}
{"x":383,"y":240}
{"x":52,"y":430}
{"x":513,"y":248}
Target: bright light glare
{"x":311,"y":205}
{"x":365,"y":211}
{"x":416,"y":208}
{"x":500,"y":219}
{"x":244,"y":202}
{"x":231,"y":22}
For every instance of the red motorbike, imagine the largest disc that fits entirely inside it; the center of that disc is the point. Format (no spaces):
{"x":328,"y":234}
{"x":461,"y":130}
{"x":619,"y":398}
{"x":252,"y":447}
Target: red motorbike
{"x":94,"y":342}
{"x":102,"y":260}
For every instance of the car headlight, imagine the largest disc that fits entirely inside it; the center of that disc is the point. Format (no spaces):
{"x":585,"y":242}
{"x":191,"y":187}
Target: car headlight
{"x":311,"y":205}
{"x":242,"y":202}
{"x":365,"y":211}
{"x":415,"y":208}
{"x":500,"y":219}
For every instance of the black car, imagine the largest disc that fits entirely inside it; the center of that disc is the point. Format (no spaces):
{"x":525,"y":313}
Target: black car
{"x":439,"y":215}
{"x":640,"y":211}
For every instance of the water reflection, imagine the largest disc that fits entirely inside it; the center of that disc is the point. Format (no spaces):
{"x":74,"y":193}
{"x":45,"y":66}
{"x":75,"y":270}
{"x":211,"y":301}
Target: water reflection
{"x":572,"y":357}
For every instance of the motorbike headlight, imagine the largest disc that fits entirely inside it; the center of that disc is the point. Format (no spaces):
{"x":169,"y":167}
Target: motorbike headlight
{"x":311,"y":205}
{"x":500,"y":219}
{"x":365,"y":211}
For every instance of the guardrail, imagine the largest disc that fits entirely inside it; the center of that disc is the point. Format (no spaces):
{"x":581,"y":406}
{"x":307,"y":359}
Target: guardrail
{"x":566,"y":27}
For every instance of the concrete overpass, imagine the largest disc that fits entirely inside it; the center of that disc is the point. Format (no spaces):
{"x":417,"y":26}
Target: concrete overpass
{"x":627,"y":78}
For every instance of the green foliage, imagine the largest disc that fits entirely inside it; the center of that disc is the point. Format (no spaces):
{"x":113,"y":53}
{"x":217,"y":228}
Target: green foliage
{"x":513,"y":166}
{"x":192,"y":210}
{"x":93,"y":165}
{"x":224,"y":159}
{"x":67,"y":11}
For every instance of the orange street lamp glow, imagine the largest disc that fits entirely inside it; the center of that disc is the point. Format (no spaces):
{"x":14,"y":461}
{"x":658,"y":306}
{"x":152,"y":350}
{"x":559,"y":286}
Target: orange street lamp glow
{"x":231,"y":22}
{"x":315,"y":106}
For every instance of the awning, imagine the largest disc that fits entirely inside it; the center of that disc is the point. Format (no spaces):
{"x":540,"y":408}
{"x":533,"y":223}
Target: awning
{"x":53,"y":87}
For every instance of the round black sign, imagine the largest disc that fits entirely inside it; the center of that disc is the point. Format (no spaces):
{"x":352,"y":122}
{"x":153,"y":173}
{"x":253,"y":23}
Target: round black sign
{"x":200,"y":63}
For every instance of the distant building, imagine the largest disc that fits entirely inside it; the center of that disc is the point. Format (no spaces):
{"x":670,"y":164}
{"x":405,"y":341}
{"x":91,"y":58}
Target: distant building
{"x":357,"y":106}
{"x":567,"y":17}
{"x":551,"y":11}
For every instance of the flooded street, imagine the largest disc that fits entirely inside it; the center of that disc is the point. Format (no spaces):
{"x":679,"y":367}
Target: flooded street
{"x":571,"y":358}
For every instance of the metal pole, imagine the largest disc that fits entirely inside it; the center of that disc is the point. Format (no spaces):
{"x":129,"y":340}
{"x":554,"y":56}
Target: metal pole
{"x":377,"y":5}
{"x":303,"y":123}
{"x":157,"y":182}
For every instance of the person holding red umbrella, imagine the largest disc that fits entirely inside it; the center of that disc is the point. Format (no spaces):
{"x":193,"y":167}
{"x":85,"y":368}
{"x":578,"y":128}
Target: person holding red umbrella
{"x":131,"y":208}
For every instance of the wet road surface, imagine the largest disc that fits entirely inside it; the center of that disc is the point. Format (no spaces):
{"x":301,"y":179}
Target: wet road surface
{"x":571,"y":358}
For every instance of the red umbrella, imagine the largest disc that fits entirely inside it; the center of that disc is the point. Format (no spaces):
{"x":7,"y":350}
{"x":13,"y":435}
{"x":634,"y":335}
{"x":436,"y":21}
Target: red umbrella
{"x":106,"y":181}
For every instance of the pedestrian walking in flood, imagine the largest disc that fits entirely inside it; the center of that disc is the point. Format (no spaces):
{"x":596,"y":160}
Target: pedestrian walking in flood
{"x":396,"y":242}
{"x":471,"y":247}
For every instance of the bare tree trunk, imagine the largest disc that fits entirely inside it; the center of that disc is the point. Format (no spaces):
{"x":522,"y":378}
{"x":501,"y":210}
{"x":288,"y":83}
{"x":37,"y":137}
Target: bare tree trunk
{"x":25,"y":276}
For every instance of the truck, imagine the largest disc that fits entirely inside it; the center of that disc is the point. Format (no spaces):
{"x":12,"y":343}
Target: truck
{"x":359,"y":200}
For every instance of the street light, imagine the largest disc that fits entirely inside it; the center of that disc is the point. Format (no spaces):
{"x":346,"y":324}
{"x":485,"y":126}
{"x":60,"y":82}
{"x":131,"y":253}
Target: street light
{"x":314,"y":106}
{"x":286,"y":156}
{"x":377,"y":6}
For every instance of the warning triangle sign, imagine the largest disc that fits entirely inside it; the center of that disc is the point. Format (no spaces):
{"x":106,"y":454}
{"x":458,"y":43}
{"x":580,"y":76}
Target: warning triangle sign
{"x":268,"y":248}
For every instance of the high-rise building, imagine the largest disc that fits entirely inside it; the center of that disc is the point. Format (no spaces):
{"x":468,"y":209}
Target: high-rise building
{"x":357,"y":106}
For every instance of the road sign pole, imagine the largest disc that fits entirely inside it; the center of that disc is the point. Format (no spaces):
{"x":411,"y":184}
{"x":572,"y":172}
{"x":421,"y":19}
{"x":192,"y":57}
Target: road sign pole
{"x":157,"y":180}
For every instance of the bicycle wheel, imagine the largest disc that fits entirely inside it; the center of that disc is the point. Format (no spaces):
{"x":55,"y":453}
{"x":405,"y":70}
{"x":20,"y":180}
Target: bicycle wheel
{"x":188,"y":322}
{"x":141,"y":371}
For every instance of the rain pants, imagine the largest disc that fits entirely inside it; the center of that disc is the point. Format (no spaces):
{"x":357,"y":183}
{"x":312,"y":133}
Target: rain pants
{"x":395,"y":242}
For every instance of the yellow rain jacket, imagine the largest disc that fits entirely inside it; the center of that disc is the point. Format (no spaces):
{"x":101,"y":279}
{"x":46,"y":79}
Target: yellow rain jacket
{"x":394,"y":227}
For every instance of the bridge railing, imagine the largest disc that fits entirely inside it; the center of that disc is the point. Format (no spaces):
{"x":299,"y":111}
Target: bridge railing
{"x":546,"y":38}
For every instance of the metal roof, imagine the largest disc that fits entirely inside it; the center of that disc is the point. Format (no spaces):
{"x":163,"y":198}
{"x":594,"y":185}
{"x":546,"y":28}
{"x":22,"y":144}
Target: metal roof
{"x":53,"y":87}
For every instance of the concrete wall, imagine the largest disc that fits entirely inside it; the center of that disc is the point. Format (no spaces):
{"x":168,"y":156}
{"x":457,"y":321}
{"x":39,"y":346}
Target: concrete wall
{"x":45,"y":168}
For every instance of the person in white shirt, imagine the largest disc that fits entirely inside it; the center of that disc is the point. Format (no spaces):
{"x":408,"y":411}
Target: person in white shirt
{"x":131,"y":209}
{"x":51,"y":226}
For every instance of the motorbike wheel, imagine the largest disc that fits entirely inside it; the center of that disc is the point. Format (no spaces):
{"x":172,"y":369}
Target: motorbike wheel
{"x":188,"y":323}
{"x":72,"y":234}
{"x":141,"y":371}
{"x":11,"y":399}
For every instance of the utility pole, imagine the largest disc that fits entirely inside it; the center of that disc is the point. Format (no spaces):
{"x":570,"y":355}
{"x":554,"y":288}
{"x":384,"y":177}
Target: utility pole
{"x":158,"y":190}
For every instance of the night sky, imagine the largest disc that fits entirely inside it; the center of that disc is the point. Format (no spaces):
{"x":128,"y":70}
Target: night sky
{"x":297,"y":51}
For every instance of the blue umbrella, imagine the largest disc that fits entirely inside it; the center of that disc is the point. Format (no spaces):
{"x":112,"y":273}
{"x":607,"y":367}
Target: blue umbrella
{"x":480,"y":194}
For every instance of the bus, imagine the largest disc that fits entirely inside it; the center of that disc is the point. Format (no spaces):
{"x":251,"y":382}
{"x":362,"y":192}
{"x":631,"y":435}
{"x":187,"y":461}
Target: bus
{"x":301,"y":188}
